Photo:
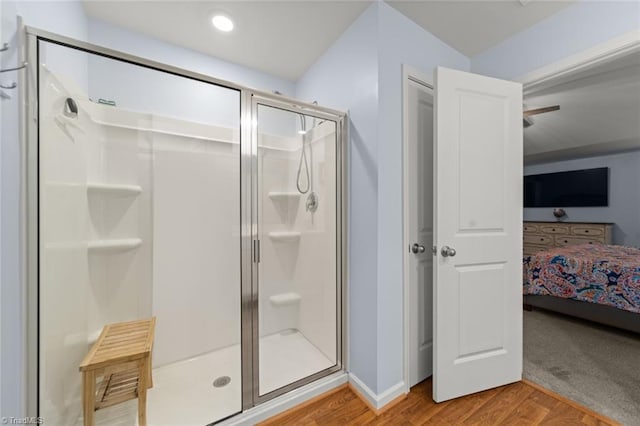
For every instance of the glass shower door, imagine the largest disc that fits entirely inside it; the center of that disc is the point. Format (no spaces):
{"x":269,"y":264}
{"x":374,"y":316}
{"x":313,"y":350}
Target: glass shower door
{"x":139,"y":207}
{"x":298,"y":228}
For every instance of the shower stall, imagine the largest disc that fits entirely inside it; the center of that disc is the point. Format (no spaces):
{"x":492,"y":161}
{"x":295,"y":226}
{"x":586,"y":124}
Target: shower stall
{"x":218,"y":210}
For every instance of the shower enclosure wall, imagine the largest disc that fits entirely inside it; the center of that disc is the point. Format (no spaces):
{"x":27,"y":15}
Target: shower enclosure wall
{"x":158,"y":192}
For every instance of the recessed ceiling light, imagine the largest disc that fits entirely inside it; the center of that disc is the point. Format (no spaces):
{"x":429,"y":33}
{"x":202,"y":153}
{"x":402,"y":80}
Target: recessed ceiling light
{"x":302,"y":132}
{"x":222,"y":23}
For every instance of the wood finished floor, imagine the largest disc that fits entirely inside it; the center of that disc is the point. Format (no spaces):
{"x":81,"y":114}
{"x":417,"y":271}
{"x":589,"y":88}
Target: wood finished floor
{"x":516,"y":404}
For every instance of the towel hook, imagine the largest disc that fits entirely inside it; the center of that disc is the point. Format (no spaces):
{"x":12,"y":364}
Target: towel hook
{"x":13,"y":85}
{"x":24,"y":65}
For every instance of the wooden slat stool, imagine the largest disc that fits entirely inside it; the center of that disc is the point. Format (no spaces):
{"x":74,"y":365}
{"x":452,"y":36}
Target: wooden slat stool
{"x":118,"y":368}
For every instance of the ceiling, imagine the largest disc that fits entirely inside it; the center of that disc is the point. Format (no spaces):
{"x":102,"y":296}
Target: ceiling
{"x":599,"y":114}
{"x":285,"y":38}
{"x":282,"y":38}
{"x":471,"y":26}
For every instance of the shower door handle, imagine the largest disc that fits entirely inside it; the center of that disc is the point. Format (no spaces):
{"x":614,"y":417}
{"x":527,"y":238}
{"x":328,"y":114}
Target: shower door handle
{"x":256,"y":251}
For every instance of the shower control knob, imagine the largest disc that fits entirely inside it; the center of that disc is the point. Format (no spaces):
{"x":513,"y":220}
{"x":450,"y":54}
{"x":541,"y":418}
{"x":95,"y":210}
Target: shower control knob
{"x":417,"y":248}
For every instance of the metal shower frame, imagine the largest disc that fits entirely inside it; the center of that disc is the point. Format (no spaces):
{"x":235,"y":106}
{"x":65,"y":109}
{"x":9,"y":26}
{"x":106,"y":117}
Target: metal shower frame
{"x":249,"y":99}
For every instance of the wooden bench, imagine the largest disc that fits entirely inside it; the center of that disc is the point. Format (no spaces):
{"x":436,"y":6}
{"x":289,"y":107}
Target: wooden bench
{"x":118,"y":368}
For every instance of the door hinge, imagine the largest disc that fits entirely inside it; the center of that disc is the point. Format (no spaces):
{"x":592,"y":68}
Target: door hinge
{"x":434,"y":250}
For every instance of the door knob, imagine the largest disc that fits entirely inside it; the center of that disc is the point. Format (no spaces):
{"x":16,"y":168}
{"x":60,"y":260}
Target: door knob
{"x":417,"y":248}
{"x":448,"y":251}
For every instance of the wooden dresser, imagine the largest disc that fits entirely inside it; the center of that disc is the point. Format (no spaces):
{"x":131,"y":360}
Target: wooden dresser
{"x":544,"y":235}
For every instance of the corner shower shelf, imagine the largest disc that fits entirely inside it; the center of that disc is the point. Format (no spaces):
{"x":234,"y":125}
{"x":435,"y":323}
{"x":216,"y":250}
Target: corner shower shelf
{"x":284,"y":196}
{"x":285,"y":236}
{"x":285,"y":299}
{"x":114,"y":189}
{"x":111,"y":246}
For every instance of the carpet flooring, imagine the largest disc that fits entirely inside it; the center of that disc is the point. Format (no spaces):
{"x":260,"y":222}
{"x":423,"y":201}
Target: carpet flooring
{"x":594,"y":365}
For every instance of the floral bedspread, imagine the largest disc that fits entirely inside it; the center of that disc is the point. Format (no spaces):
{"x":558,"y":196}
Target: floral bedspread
{"x":603,"y":274}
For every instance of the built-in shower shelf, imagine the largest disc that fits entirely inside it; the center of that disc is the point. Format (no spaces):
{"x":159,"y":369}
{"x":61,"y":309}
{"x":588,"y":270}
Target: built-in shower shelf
{"x":112,"y":246}
{"x":114,"y":189}
{"x":284,"y":196}
{"x":285,"y":299}
{"x":285,"y":236}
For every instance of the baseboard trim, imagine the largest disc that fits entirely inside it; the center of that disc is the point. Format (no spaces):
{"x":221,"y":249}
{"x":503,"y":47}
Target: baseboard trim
{"x":294,"y":399}
{"x":574,"y":404}
{"x":377,"y":403}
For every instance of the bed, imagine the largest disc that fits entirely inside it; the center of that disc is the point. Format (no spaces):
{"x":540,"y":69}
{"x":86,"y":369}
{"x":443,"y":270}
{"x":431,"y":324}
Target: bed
{"x":596,"y":282}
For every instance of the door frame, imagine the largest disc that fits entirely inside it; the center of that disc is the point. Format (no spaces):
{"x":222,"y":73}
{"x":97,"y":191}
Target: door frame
{"x":409,"y":73}
{"x":532,"y":81}
{"x":29,"y":191}
{"x":610,"y":50}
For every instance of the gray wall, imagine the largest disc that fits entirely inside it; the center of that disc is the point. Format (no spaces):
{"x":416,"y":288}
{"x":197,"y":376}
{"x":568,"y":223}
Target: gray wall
{"x":346,"y":77}
{"x":624,"y":195}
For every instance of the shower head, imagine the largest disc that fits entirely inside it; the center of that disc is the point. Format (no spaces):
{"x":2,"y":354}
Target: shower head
{"x":70,"y":108}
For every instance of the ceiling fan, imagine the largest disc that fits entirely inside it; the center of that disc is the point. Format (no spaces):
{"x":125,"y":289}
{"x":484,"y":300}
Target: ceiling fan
{"x":527,"y":122}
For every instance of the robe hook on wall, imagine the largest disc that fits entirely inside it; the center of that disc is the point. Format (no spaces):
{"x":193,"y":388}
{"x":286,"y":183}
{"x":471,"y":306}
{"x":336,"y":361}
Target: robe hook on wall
{"x":24,"y":65}
{"x":13,"y":85}
{"x":4,"y":48}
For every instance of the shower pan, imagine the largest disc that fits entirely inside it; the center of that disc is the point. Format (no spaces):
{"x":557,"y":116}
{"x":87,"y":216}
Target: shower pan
{"x":219,"y":210}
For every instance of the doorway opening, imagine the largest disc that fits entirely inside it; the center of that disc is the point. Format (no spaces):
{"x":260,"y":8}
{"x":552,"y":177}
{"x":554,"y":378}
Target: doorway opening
{"x":583,"y":316}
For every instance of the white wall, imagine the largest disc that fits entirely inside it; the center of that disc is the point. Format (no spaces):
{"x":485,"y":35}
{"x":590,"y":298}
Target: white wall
{"x":196,"y":241}
{"x":624,"y":195}
{"x":572,"y":30}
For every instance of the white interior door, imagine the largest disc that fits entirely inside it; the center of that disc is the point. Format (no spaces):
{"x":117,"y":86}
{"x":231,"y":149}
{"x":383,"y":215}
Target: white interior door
{"x":420,"y":198}
{"x":478,"y":233}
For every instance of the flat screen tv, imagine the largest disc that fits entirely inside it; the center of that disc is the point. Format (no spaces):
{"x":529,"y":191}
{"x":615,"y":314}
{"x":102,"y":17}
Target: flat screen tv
{"x":577,"y":188}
